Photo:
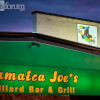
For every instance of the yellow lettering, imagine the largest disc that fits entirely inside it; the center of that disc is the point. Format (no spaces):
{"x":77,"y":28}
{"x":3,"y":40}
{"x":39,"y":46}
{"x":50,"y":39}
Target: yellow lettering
{"x":41,"y":90}
{"x":75,"y":78}
{"x":52,"y":80}
{"x":16,"y":88}
{"x":65,"y":90}
{"x":28,"y":75}
{"x":21,"y":89}
{"x":60,"y":90}
{"x":6,"y":88}
{"x":31,"y":89}
{"x":34,"y":77}
{"x":73,"y":89}
{"x":50,"y":90}
{"x":21,"y":77}
{"x":70,"y":75}
{"x":36,"y":90}
{"x":41,"y":77}
{"x":11,"y":89}
{"x":65,"y":80}
{"x":10,"y":76}
{"x":1,"y":75}
{"x":2,"y":88}
{"x":60,"y":78}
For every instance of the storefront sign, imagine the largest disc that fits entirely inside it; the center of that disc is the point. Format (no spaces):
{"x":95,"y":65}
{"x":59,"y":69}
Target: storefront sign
{"x":28,"y":69}
{"x":37,"y":80}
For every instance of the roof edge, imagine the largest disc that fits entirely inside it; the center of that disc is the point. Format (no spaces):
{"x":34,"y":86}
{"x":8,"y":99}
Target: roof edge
{"x":47,"y":38}
{"x":64,"y":16}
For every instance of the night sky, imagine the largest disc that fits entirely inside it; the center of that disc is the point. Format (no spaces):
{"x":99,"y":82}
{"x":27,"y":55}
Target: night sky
{"x":21,"y":21}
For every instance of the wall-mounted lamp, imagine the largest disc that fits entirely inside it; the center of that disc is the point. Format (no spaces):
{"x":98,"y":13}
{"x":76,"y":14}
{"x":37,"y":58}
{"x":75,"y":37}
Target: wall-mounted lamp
{"x":34,"y":43}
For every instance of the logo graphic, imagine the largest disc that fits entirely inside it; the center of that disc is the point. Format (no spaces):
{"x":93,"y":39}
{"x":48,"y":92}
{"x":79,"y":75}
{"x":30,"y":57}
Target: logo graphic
{"x":1,"y":5}
{"x":87,"y":34}
{"x":6,"y":5}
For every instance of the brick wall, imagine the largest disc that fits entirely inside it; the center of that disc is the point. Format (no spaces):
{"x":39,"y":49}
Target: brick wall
{"x":32,"y":97}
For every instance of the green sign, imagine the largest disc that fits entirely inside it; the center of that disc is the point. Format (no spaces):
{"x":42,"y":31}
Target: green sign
{"x":24,"y":53}
{"x":45,"y":80}
{"x":27,"y":69}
